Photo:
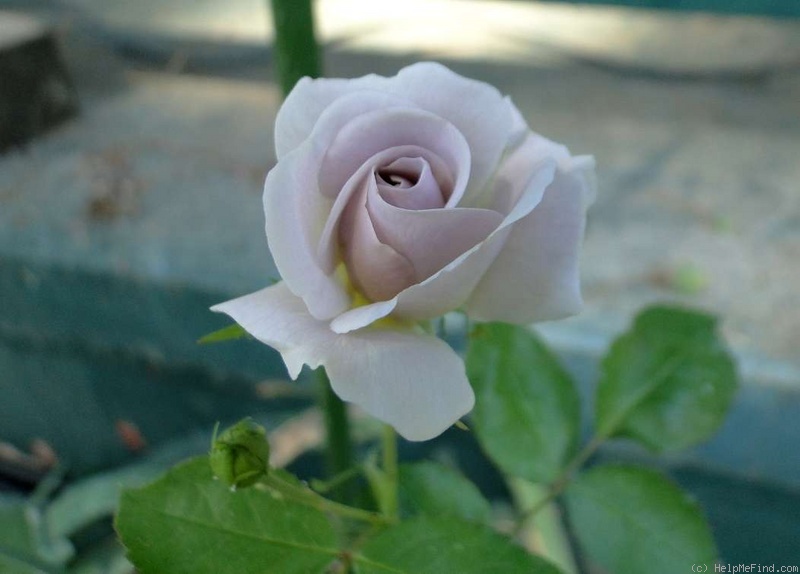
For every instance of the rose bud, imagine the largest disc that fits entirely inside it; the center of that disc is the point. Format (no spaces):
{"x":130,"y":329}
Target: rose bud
{"x":239,"y":456}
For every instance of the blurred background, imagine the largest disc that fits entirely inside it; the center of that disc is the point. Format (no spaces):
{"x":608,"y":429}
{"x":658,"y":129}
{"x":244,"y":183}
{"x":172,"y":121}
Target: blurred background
{"x":134,"y":141}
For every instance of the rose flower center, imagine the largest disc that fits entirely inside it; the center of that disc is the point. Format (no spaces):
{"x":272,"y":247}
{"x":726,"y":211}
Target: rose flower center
{"x":409,"y":183}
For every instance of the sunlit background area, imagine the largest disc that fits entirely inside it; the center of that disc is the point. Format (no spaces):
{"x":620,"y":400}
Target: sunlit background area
{"x":131,"y":171}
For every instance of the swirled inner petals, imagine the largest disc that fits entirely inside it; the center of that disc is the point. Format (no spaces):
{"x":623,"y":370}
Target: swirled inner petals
{"x":375,"y":131}
{"x":409,"y":183}
{"x":328,"y":240}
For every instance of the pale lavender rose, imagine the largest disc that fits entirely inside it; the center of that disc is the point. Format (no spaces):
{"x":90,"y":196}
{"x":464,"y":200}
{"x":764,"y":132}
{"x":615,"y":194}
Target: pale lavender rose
{"x":394,"y":201}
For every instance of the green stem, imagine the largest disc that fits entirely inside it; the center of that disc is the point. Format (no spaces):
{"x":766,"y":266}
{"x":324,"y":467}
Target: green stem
{"x":602,"y":434}
{"x":339,"y":449}
{"x":296,"y":52}
{"x":325,"y":486}
{"x":390,"y":470}
{"x":562,"y":480}
{"x":311,"y":498}
{"x":544,"y":533}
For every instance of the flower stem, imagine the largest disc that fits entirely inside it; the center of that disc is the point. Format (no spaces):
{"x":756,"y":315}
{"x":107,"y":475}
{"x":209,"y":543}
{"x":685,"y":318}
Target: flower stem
{"x":390,"y":470}
{"x":339,"y":449}
{"x":311,"y":498}
{"x":601,"y":435}
{"x":325,"y":486}
{"x":562,"y":481}
{"x":545,"y":534}
{"x":295,"y":47}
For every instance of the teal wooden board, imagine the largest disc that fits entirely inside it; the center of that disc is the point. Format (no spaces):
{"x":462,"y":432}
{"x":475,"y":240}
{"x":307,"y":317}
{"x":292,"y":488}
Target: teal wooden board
{"x":771,"y":8}
{"x":753,"y":522}
{"x":82,"y":351}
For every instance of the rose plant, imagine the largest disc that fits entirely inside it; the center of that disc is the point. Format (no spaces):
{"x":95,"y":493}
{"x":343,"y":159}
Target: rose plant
{"x":395,"y":201}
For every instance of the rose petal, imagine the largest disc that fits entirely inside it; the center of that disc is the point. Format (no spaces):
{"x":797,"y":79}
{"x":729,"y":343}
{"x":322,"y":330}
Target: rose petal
{"x":377,"y":270}
{"x":486,"y":122}
{"x":291,"y":191}
{"x":519,"y":127}
{"x":374,"y":131}
{"x":535,"y":277}
{"x":276,"y":317}
{"x":296,"y":211}
{"x":515,"y":171}
{"x":583,"y":167}
{"x":360,"y":317}
{"x":413,"y":381}
{"x":481,"y":113}
{"x":294,"y":217}
{"x":302,"y":108}
{"x":426,"y":192}
{"x":431,"y":238}
{"x":451,"y":287}
{"x":328,"y":241}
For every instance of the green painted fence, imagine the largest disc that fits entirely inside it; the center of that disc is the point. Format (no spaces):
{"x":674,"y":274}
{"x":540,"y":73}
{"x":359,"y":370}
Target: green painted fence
{"x":771,"y":8}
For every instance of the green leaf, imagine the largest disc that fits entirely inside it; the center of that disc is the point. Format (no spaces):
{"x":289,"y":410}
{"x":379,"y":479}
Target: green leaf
{"x":12,"y":565}
{"x":427,"y":545}
{"x":668,"y":382}
{"x":435,"y":490}
{"x":527,"y":411}
{"x":24,"y":535}
{"x":632,"y":520}
{"x":228,"y":333}
{"x":187,"y":522}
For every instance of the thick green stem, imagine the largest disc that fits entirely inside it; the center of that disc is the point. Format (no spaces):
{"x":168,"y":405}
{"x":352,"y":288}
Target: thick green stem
{"x":296,"y":53}
{"x":339,"y":448}
{"x":390,"y":470}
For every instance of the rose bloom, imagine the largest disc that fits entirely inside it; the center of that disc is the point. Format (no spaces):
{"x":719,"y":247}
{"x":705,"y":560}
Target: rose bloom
{"x":394,"y":201}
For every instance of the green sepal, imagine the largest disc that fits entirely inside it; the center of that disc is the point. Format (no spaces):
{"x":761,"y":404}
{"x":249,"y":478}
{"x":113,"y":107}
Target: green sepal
{"x":228,"y":333}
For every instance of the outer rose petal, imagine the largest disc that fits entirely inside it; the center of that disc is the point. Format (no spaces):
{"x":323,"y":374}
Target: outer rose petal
{"x":451,"y":287}
{"x":429,"y":238}
{"x":520,"y":131}
{"x":305,"y":103}
{"x":413,"y":381}
{"x":481,"y":113}
{"x":294,"y":217}
{"x":535,"y":277}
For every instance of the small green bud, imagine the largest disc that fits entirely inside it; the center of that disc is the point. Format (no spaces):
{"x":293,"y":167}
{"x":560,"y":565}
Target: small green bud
{"x":239,"y":456}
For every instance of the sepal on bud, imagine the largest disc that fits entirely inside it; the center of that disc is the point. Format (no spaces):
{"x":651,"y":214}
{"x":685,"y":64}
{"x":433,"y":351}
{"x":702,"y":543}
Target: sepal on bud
{"x":239,"y":455}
